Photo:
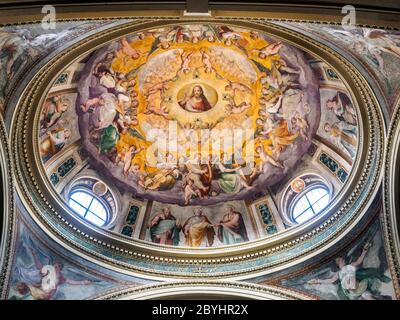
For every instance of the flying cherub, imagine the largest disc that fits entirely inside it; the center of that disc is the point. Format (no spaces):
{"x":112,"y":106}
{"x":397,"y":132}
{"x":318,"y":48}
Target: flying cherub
{"x":232,"y":107}
{"x":235,"y":86}
{"x":206,"y":61}
{"x":161,"y":111}
{"x":127,"y":157}
{"x":273,"y":104}
{"x":269,"y":50}
{"x":190,"y":190}
{"x":126,"y":50}
{"x":266,"y":126}
{"x":159,"y":87}
{"x":185,"y":61}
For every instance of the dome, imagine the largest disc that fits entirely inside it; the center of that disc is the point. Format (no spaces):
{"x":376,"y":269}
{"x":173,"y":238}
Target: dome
{"x":198,"y":135}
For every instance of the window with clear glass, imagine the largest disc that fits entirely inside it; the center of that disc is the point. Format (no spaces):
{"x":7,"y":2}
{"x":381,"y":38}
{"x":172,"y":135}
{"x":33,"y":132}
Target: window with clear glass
{"x":310,"y":204}
{"x":89,"y":207}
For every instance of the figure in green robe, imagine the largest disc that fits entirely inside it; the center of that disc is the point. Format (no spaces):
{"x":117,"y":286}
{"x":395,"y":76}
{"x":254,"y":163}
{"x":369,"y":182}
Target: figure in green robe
{"x":163,"y":228}
{"x":108,"y":139}
{"x":354,"y":281}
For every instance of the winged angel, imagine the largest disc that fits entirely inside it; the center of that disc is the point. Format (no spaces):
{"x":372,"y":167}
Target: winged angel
{"x":373,"y":42}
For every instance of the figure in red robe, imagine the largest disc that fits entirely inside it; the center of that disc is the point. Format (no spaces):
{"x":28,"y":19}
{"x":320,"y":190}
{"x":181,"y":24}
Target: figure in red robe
{"x":196,"y":102}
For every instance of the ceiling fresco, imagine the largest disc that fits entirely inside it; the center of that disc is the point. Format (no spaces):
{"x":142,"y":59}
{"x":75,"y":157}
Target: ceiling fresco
{"x":23,"y":46}
{"x":207,"y":123}
{"x":200,"y":140}
{"x":377,"y":49}
{"x":197,"y":114}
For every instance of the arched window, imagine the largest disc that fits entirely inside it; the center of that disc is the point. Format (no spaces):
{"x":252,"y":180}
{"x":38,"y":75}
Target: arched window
{"x":310,"y":204}
{"x":89,"y":206}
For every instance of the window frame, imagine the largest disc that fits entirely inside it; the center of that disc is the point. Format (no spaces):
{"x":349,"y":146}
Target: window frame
{"x":302,"y":195}
{"x":93,"y":196}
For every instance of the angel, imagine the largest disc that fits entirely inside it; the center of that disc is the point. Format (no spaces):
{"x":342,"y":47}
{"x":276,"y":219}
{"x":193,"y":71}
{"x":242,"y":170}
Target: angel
{"x":125,"y":122}
{"x":124,"y":86}
{"x":194,"y":33}
{"x":206,"y":61}
{"x":283,"y":67}
{"x":185,"y":61}
{"x":273,"y":104}
{"x":373,"y":42}
{"x":135,"y":169}
{"x":159,"y":87}
{"x":355,"y":281}
{"x":190,"y":190}
{"x":248,"y":174}
{"x":126,"y":158}
{"x":232,"y":107}
{"x":42,"y":280}
{"x":266,"y":126}
{"x":265,"y":158}
{"x":270,"y":50}
{"x":301,"y":124}
{"x":235,"y":86}
{"x":228,"y":35}
{"x":128,"y":50}
{"x":161,"y":111}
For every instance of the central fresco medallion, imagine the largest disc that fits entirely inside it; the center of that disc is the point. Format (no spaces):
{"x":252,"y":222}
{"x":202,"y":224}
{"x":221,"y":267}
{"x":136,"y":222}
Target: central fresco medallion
{"x":197,"y":114}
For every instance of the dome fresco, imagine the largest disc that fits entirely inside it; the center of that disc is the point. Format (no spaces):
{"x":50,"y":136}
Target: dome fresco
{"x":192,"y":157}
{"x":205,"y":126}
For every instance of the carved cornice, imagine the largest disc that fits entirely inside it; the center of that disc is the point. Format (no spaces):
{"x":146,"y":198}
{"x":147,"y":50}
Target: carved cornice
{"x":204,"y":289}
{"x":391,"y":192}
{"x":8,"y":214}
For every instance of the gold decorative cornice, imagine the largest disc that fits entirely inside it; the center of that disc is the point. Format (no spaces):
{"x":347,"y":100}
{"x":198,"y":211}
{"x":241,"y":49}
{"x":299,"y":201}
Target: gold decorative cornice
{"x":204,"y":289}
{"x":391,"y":216}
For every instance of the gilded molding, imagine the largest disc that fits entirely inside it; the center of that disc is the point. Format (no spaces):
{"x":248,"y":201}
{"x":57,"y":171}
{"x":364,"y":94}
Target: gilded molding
{"x":223,"y":288}
{"x":390,"y":198}
{"x":7,"y":236}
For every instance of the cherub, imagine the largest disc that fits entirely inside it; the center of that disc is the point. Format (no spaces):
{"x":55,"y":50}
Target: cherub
{"x":266,"y":126}
{"x":128,"y":50}
{"x":269,"y":50}
{"x":228,"y":35}
{"x":162,"y":111}
{"x":231,"y":107}
{"x":159,"y":87}
{"x":206,"y":61}
{"x":124,"y":122}
{"x":235,"y":86}
{"x":190,"y":190}
{"x":135,"y":169}
{"x":124,"y":86}
{"x":273,"y":104}
{"x":127,"y":158}
{"x":283,"y":67}
{"x":185,"y":61}
{"x":210,"y":36}
{"x":248,"y":174}
{"x":265,"y":158}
